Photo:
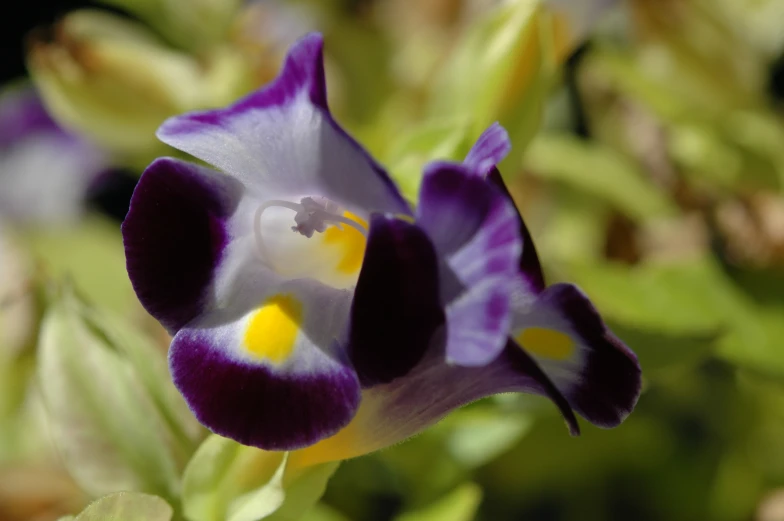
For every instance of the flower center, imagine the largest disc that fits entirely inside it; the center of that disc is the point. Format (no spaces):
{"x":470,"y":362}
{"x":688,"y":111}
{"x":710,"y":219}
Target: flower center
{"x":334,"y":258}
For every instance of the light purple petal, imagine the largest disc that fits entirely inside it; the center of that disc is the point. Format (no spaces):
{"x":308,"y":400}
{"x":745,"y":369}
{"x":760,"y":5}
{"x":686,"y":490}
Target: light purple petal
{"x":530,"y":267}
{"x":474,"y":229}
{"x":489,"y":150}
{"x":282,"y":142}
{"x":477,"y":323}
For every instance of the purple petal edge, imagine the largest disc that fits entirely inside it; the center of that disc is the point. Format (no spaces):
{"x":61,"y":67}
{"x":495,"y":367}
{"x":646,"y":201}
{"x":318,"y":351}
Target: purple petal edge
{"x":612,"y":378}
{"x":302,"y":70}
{"x":538,"y":382}
{"x":252,"y":404}
{"x":489,"y":150}
{"x":453,"y":204}
{"x":530,"y":268}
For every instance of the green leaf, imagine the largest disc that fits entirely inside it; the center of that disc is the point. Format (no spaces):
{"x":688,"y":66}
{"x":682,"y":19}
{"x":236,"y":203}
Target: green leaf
{"x":91,"y":255}
{"x":226,"y":481}
{"x":126,"y":506}
{"x":192,"y":24}
{"x":699,"y":149}
{"x":479,"y":435}
{"x":659,"y":352}
{"x":685,"y":305}
{"x":690,"y":298}
{"x":600,"y":171}
{"x":104,"y":419}
{"x":149,"y":364}
{"x":754,"y":342}
{"x":436,"y":139}
{"x":322,"y":512}
{"x":460,"y":505}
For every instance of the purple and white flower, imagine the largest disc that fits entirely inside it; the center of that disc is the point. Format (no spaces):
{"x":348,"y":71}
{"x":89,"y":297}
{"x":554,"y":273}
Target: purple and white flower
{"x":312,"y":307}
{"x":45,"y":171}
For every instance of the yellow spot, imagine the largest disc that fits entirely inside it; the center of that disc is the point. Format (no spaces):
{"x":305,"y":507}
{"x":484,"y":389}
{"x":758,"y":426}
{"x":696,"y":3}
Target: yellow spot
{"x":274,"y":328}
{"x":546,"y":343}
{"x":350,"y":241}
{"x":408,"y":218}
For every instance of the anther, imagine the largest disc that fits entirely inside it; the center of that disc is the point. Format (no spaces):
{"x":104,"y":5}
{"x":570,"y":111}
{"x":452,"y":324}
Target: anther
{"x":311,"y":216}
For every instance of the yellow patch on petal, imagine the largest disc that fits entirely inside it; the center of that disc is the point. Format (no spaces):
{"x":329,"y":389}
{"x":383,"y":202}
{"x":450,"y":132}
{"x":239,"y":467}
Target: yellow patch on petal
{"x":355,"y":439}
{"x":274,"y":327}
{"x":546,"y":343}
{"x":351,"y":243}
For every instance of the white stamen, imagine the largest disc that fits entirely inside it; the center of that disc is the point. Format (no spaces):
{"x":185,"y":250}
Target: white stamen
{"x":311,"y":217}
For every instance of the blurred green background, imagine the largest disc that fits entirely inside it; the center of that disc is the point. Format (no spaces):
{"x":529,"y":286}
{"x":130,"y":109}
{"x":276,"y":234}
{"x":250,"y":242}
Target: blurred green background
{"x":648,"y":162}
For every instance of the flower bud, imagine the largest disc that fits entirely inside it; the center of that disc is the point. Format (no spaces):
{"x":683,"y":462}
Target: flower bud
{"x":112,"y":81}
{"x":189,"y":24}
{"x":254,"y":484}
{"x":115,"y":416}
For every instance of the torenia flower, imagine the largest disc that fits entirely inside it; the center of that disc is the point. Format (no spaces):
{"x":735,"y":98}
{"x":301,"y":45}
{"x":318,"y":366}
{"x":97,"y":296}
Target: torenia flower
{"x":311,"y":307}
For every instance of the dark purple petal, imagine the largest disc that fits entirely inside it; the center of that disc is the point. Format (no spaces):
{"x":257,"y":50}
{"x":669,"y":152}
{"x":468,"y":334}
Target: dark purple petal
{"x":453,"y":204}
{"x":530,"y":267}
{"x":260,"y":405}
{"x":396,"y":306}
{"x":598,"y":374}
{"x":530,"y":378}
{"x":489,"y":150}
{"x":174,"y":237}
{"x":610,"y":380}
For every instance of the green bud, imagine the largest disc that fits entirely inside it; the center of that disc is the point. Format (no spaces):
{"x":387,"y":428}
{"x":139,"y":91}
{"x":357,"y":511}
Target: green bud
{"x":226,"y":481}
{"x":125,"y":506}
{"x":190,"y":24}
{"x":114,"y":82}
{"x":115,"y":416}
{"x":442,"y":139}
